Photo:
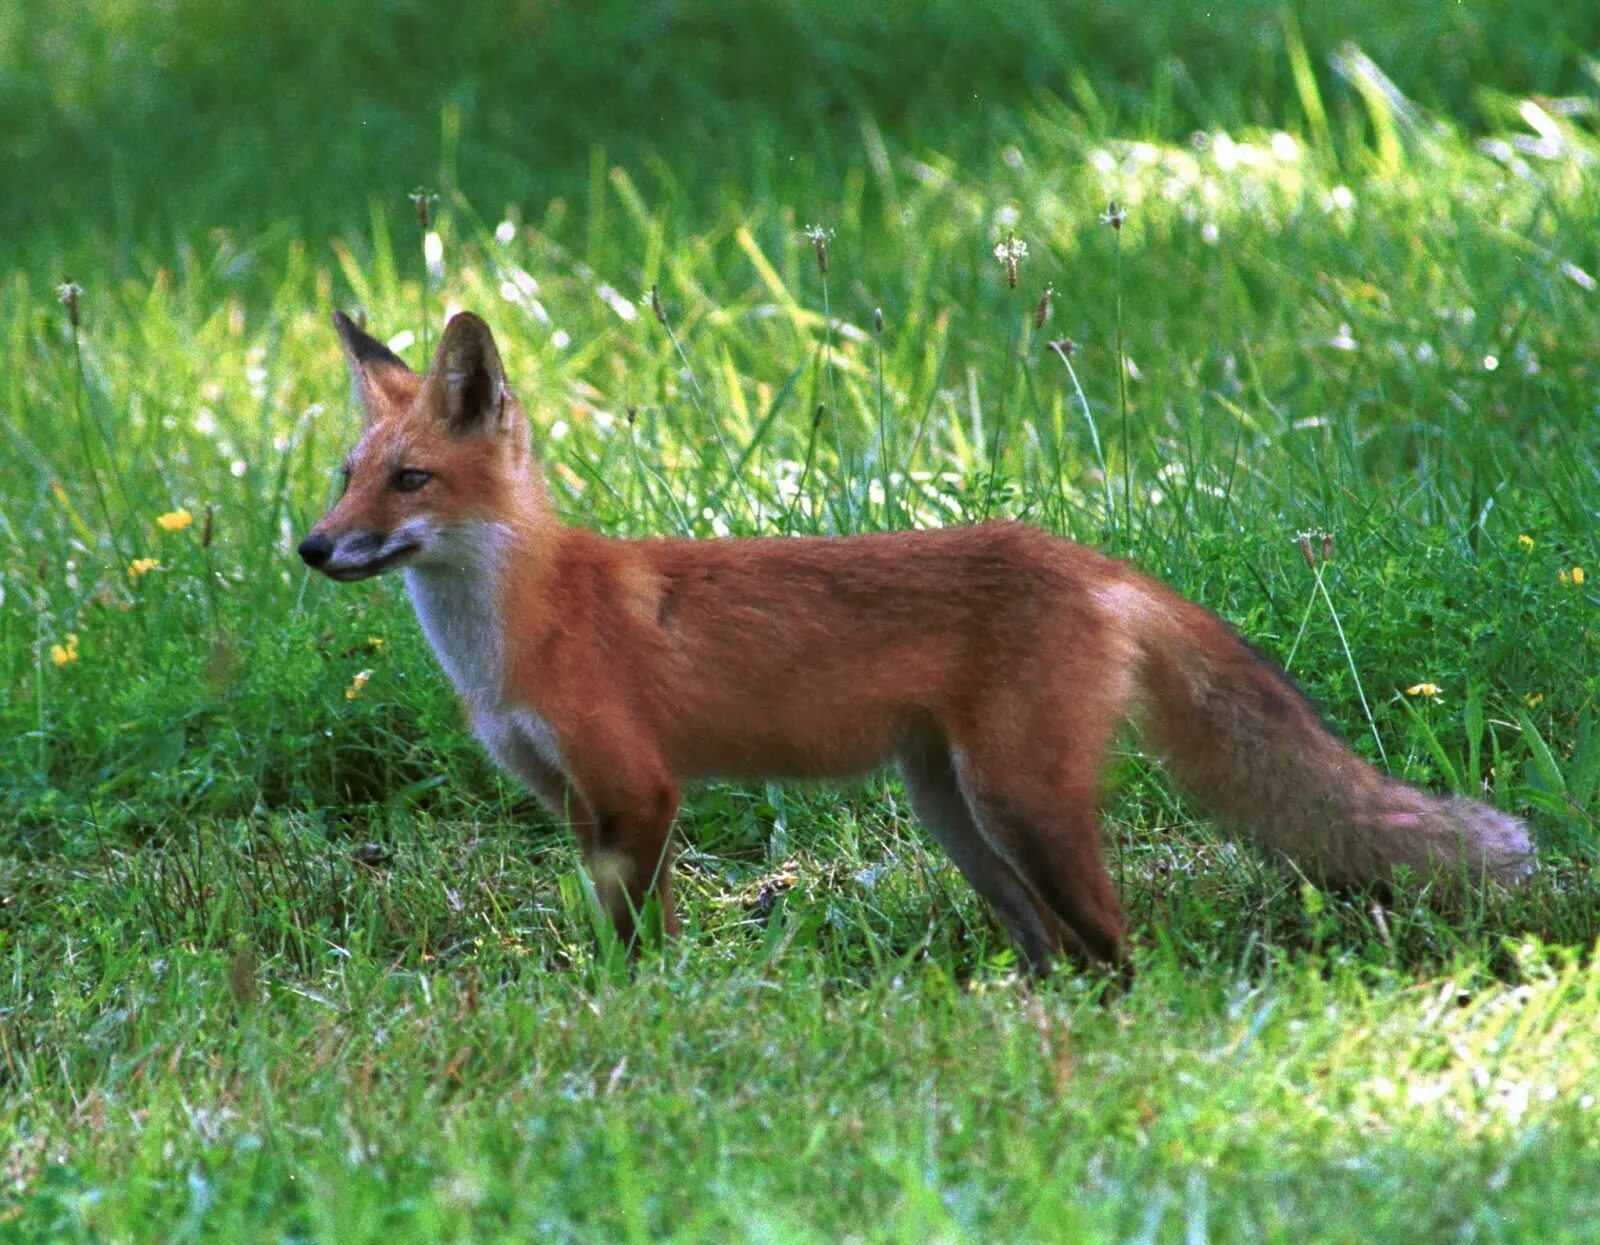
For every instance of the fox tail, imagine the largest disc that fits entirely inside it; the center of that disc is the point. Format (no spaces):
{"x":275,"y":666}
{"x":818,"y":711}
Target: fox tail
{"x":1236,"y":733}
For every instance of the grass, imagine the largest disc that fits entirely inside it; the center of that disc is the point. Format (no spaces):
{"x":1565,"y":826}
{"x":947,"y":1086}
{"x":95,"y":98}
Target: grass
{"x":281,"y":957}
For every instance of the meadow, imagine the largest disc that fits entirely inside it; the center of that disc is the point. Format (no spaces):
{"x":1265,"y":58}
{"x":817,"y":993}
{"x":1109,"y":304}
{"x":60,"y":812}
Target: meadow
{"x":1292,"y":306}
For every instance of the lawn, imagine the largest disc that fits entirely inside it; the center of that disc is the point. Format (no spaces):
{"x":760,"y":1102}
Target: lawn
{"x":282,"y":957}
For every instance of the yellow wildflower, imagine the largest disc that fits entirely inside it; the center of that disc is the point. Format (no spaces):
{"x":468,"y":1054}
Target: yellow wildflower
{"x":1423,"y":689}
{"x":376,"y":642}
{"x":1534,"y":699}
{"x":142,"y":566}
{"x":174,"y":520}
{"x":1525,"y":541}
{"x":62,"y":654}
{"x":1577,"y":576}
{"x":356,"y":684}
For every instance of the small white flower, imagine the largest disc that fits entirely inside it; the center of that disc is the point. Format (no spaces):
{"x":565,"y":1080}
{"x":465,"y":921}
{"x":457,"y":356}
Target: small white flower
{"x":623,"y":307}
{"x":1577,"y":275}
{"x":1010,"y":253}
{"x":1011,"y":249}
{"x":433,"y":255}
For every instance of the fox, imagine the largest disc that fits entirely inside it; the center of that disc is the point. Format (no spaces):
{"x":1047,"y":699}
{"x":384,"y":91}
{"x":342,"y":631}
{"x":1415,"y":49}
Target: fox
{"x":991,"y":663}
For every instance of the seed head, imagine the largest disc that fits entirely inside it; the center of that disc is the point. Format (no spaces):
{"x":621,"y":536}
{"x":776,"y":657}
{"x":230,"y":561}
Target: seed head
{"x":818,"y":237}
{"x":1065,"y":347}
{"x":67,"y":294}
{"x":816,"y":417}
{"x":1010,"y":253}
{"x":877,"y":321}
{"x":656,"y":308}
{"x":1041,"y":313}
{"x":1114,"y":215}
{"x":208,"y":527}
{"x":420,"y":198}
{"x":1315,"y":546}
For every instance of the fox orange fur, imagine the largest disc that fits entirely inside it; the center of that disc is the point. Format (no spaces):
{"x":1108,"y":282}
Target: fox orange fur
{"x":991,"y":663}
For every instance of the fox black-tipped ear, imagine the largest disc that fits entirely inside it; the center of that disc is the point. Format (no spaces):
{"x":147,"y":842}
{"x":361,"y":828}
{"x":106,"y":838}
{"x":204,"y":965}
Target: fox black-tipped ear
{"x":471,"y":380}
{"x":373,"y":366}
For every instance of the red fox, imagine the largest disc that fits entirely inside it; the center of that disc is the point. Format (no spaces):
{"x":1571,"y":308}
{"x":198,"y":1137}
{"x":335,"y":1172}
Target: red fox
{"x":991,"y":663}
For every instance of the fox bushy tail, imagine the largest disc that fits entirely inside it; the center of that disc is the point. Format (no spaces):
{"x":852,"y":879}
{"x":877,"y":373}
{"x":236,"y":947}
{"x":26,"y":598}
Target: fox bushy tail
{"x":1236,"y":733}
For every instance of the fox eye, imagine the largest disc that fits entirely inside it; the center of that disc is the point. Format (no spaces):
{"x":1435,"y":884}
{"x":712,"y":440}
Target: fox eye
{"x":410,"y":479}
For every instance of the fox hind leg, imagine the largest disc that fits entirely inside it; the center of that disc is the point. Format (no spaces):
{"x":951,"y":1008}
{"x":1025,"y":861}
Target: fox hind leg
{"x":1031,"y":787}
{"x":936,"y":799}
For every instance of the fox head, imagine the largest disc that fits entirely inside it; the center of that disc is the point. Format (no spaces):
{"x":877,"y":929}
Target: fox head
{"x":439,"y":455}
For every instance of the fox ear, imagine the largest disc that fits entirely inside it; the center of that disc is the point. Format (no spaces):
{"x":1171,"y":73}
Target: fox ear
{"x":470,"y":378}
{"x":374,"y":368}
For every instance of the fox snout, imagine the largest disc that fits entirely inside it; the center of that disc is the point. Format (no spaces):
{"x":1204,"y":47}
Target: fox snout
{"x":360,"y":554}
{"x":315,"y":549}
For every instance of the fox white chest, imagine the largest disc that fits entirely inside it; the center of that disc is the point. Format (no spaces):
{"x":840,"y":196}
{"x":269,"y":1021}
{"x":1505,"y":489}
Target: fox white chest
{"x":458,"y":605}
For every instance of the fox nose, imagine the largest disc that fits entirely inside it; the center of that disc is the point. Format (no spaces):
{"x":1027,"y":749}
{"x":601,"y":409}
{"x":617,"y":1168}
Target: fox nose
{"x":316,"y":549}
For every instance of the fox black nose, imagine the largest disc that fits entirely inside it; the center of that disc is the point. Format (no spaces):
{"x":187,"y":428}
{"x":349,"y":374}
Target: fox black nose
{"x":316,"y":549}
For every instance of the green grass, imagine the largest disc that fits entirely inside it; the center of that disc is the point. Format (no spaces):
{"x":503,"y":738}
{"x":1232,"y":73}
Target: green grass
{"x":282,"y":957}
